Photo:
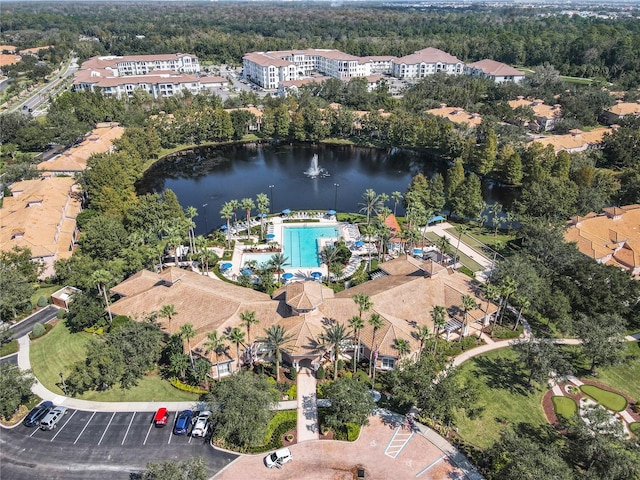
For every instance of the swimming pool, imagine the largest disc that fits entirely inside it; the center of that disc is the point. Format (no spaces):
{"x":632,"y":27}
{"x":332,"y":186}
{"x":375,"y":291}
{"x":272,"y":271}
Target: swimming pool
{"x":301,"y":244}
{"x":261,"y":258}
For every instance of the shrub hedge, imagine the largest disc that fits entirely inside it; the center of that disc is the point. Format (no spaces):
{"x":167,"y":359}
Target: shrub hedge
{"x":47,"y":327}
{"x":187,"y":388}
{"x":280,"y":424}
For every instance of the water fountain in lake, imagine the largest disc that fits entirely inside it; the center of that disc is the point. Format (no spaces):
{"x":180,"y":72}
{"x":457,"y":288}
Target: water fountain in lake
{"x":315,"y":171}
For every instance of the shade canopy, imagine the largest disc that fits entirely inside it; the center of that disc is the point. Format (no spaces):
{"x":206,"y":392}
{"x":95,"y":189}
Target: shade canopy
{"x":316,"y":274}
{"x":262,"y":215}
{"x":223,"y":227}
{"x":270,"y":236}
{"x":247,"y":271}
{"x":226,"y":266}
{"x":417,"y":251}
{"x":287,"y":276}
{"x":331,"y":212}
{"x":286,"y":211}
{"x":437,"y":218}
{"x":359,"y":243}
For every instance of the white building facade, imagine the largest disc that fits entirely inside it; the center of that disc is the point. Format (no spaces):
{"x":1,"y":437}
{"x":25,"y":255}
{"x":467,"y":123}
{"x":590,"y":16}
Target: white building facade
{"x":428,"y":61}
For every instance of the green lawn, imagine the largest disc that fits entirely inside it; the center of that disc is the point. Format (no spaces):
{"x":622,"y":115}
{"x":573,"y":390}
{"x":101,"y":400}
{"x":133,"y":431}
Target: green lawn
{"x":619,"y":376}
{"x":478,"y":235}
{"x":45,"y":291}
{"x":504,"y":397}
{"x":59,"y":350}
{"x":465,"y":260}
{"x":606,"y":398}
{"x":635,"y":428}
{"x":564,"y":406}
{"x":9,"y":348}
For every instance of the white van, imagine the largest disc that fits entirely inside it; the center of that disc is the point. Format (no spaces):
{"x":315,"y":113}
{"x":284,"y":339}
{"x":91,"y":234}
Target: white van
{"x":52,"y":418}
{"x":278,"y":458}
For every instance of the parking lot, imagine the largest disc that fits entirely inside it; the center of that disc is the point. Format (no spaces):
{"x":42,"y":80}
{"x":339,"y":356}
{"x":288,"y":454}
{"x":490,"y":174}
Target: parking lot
{"x":111,"y":429}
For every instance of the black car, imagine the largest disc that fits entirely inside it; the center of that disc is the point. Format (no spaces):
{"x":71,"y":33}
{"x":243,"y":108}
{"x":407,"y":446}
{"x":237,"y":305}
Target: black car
{"x":34,"y":416}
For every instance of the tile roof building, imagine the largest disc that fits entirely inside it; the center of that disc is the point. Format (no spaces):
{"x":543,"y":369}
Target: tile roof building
{"x":576,"y":141}
{"x":159,"y":75}
{"x":74,"y":159}
{"x":612,"y":238}
{"x":41,"y":215}
{"x":497,"y":71}
{"x":545,"y":115}
{"x":268,"y":69}
{"x":426,"y":62}
{"x":619,"y":111}
{"x":457,"y":115}
{"x":402,"y":297}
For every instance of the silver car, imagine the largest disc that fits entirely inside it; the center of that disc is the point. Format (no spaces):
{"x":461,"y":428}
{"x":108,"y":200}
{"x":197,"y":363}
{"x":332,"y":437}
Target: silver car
{"x":52,"y":418}
{"x":201,"y":427}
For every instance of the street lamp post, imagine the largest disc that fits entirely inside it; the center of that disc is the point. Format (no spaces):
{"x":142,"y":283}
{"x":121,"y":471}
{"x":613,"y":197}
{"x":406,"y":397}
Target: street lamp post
{"x":271,"y":198}
{"x":206,"y":221}
{"x":335,"y":198}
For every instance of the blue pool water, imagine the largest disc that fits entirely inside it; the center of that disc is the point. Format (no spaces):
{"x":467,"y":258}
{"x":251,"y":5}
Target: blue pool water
{"x":301,"y":244}
{"x":261,"y":258}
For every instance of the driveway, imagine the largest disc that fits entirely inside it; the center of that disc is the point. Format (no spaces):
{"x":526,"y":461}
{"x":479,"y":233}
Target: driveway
{"x":45,"y":315}
{"x":384,"y":451}
{"x":99,"y":445}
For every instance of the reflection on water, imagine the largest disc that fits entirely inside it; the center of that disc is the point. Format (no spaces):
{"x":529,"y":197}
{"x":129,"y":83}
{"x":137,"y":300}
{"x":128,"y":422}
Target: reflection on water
{"x":213,"y":176}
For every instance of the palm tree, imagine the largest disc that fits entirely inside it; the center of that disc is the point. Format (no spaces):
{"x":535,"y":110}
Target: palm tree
{"x":492,"y":293}
{"x":468,"y":303}
{"x":330,"y":255}
{"x":227,"y":213}
{"x":100,"y":278}
{"x":235,"y":205}
{"x":375,"y":320}
{"x":524,"y":304}
{"x":275,"y":340}
{"x":403,"y":346}
{"x":236,"y":336}
{"x":422,"y":334}
{"x":190,"y":213}
{"x":507,"y":288}
{"x":248,"y":318}
{"x":396,"y":196}
{"x":263,"y":202}
{"x":363,"y":302}
{"x":215,"y":343}
{"x":168,"y":312}
{"x":495,"y":210}
{"x":357,"y":324}
{"x":277,"y":261}
{"x":510,"y":217}
{"x":371,"y":203}
{"x":201,"y":243}
{"x":443,"y":245}
{"x":439,"y":317}
{"x":187,"y":332}
{"x":174,"y":238}
{"x":460,"y":230}
{"x":332,"y":338}
{"x":248,"y":205}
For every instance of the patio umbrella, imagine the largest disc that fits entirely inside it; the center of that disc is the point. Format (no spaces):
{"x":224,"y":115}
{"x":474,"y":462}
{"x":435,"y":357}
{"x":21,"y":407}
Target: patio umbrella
{"x":417,"y":251}
{"x":262,"y":215}
{"x":223,"y":227}
{"x":226,"y":266}
{"x":331,"y":212}
{"x":316,"y":274}
{"x":286,"y":211}
{"x":270,"y":236}
{"x":287,"y":276}
{"x":247,"y":271}
{"x":359,"y":243}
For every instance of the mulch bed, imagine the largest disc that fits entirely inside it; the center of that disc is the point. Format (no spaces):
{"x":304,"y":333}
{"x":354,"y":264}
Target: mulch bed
{"x":547,"y":407}
{"x":326,"y":436}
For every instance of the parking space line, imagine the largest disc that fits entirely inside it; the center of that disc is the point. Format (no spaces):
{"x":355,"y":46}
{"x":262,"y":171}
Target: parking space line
{"x":148,"y":432}
{"x":35,"y":431}
{"x":105,"y":430}
{"x":128,"y":428}
{"x":65,"y":424}
{"x":174,"y":423}
{"x":85,"y":427}
{"x":190,"y":438}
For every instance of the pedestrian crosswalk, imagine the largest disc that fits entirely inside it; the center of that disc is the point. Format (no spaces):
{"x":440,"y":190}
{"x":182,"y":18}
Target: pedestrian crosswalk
{"x":400,"y":439}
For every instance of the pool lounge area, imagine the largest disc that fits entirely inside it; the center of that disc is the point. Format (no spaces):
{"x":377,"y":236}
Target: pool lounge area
{"x":302,"y":244}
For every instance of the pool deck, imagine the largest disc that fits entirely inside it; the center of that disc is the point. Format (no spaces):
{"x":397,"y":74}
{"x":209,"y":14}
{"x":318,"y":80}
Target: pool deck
{"x":275,"y":226}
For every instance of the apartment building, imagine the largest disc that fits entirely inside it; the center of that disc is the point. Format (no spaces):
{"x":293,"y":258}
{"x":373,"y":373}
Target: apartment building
{"x":545,"y":115}
{"x":268,"y":69}
{"x":576,"y":140}
{"x":456,"y":115}
{"x":620,"y":111}
{"x":427,"y":61}
{"x":143,"y":64}
{"x":497,"y":71}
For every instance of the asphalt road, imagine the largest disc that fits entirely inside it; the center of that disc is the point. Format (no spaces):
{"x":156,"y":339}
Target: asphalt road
{"x":45,"y":315}
{"x":9,"y":359}
{"x":99,"y":445}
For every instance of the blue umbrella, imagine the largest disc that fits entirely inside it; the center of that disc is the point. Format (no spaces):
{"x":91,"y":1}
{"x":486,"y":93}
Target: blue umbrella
{"x":316,"y":274}
{"x":331,"y":212}
{"x":223,"y":227}
{"x":287,"y":276}
{"x":270,"y":236}
{"x":262,"y":215}
{"x":359,"y":243}
{"x":417,"y":251}
{"x":286,"y":211}
{"x":226,"y":266}
{"x":247,"y":271}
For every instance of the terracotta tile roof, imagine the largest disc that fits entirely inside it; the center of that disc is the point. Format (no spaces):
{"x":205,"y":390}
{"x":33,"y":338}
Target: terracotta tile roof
{"x":613,"y":237}
{"x":626,"y":108}
{"x":205,"y":80}
{"x":41,"y":215}
{"x":35,"y":49}
{"x":457,"y":115}
{"x":540,"y":109}
{"x":7,"y":48}
{"x":266,"y":59}
{"x":74,"y":159}
{"x":428,"y":55}
{"x":8,"y":59}
{"x":303,"y":81}
{"x":575,"y":141}
{"x":496,"y":69}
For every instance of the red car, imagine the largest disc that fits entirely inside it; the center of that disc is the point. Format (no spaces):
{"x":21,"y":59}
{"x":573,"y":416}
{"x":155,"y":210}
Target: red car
{"x":161,"y":418}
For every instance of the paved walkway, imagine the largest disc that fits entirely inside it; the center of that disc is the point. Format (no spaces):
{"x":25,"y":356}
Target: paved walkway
{"x":308,"y":428}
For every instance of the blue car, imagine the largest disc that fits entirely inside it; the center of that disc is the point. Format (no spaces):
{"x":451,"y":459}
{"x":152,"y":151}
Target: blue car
{"x":183,"y":422}
{"x":37,"y":414}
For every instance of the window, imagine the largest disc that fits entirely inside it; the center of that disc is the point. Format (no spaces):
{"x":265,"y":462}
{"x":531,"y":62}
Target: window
{"x":388,"y":363}
{"x":224,"y":368}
